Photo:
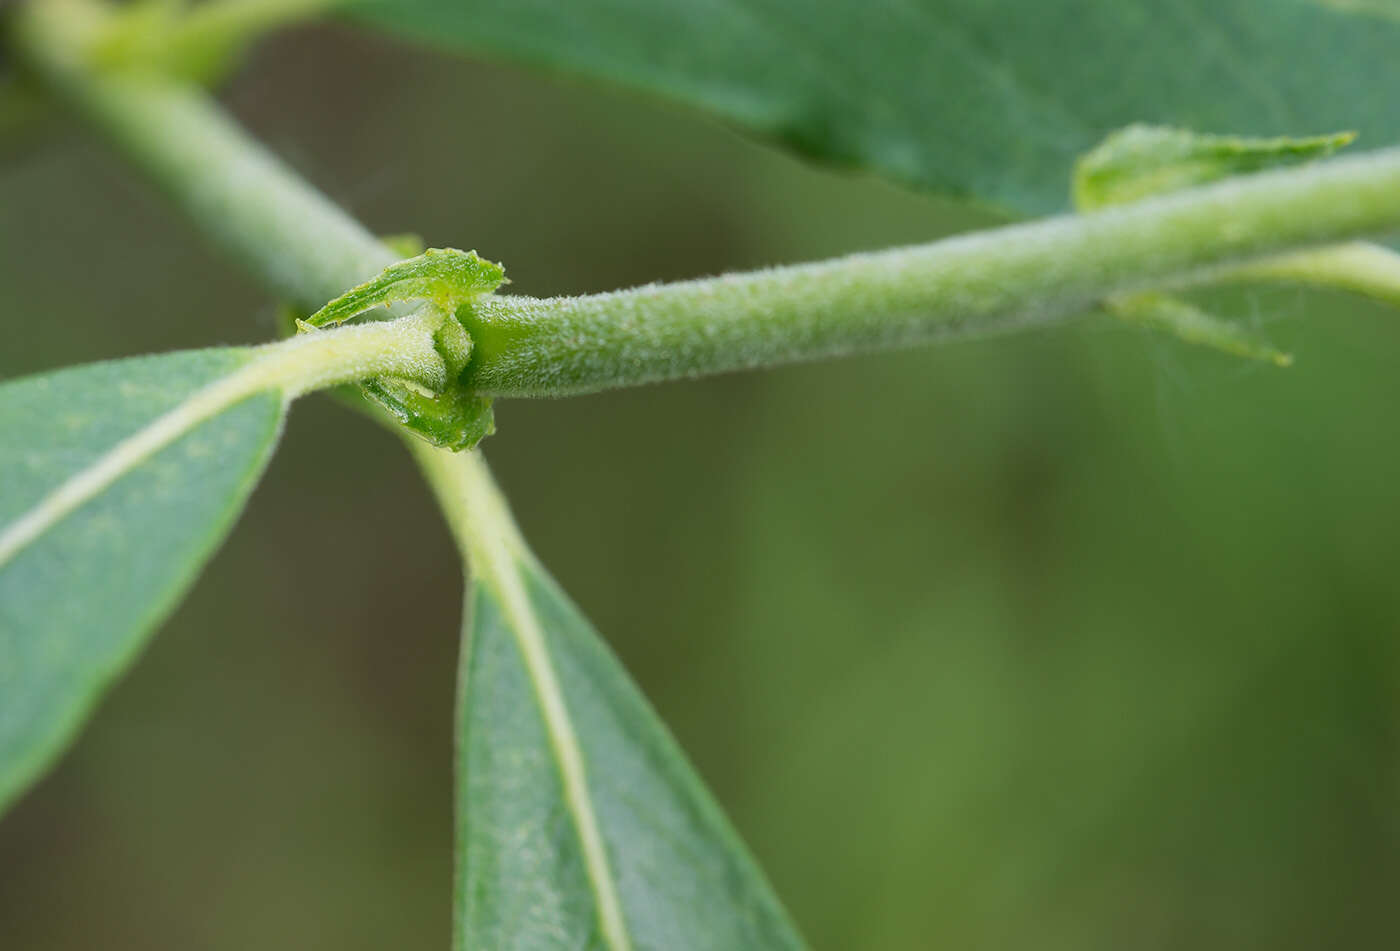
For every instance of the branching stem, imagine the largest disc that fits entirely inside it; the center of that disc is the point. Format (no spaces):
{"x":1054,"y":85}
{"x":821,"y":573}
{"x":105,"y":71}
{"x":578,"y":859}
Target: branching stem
{"x":310,"y":251}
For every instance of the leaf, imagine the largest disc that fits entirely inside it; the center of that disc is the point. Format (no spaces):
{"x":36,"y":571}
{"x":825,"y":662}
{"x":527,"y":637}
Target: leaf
{"x":79,"y":598}
{"x":447,"y":277}
{"x":1141,"y":161}
{"x":1189,"y":323}
{"x":991,"y":99}
{"x":580,"y":823}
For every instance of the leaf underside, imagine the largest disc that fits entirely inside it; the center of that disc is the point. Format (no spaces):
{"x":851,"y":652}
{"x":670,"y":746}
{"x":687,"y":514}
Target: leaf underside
{"x":682,"y":877}
{"x":989,"y":99}
{"x":78,"y":602}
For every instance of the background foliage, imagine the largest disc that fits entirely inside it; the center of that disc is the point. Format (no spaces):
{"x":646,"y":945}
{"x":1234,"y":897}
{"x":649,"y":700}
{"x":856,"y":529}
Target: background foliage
{"x":1075,"y":639}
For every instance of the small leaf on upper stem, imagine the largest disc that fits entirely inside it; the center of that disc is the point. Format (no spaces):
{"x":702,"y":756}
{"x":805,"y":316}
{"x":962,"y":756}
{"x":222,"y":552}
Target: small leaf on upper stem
{"x":1142,"y":161}
{"x":446,"y":277}
{"x":1145,"y":161}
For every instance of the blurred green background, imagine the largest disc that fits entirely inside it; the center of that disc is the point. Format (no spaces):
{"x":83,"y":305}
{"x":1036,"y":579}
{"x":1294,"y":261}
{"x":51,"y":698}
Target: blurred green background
{"x":1075,"y":639}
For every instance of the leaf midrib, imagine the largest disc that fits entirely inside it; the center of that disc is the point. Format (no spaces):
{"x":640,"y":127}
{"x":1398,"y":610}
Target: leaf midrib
{"x":290,"y":367}
{"x":500,"y":571}
{"x":496,"y":553}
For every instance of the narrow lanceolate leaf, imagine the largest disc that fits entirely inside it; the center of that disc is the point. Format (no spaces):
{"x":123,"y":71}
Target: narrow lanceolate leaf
{"x":81,"y":585}
{"x":993,"y":99}
{"x":579,"y":815}
{"x":117,"y":480}
{"x":580,"y":824}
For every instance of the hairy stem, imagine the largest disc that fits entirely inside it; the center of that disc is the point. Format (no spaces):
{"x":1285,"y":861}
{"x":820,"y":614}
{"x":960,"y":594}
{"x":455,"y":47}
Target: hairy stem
{"x":988,"y":281}
{"x":310,"y":251}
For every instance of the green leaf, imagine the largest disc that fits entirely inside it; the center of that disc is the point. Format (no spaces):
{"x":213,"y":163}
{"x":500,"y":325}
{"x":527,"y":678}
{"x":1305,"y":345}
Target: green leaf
{"x":1189,"y":323}
{"x":82,"y":588}
{"x":1141,"y":161}
{"x":447,"y":277}
{"x":636,"y":854}
{"x":992,"y":99}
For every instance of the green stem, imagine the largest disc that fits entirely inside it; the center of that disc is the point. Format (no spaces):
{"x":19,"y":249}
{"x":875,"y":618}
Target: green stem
{"x":988,"y":281}
{"x":309,"y":251}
